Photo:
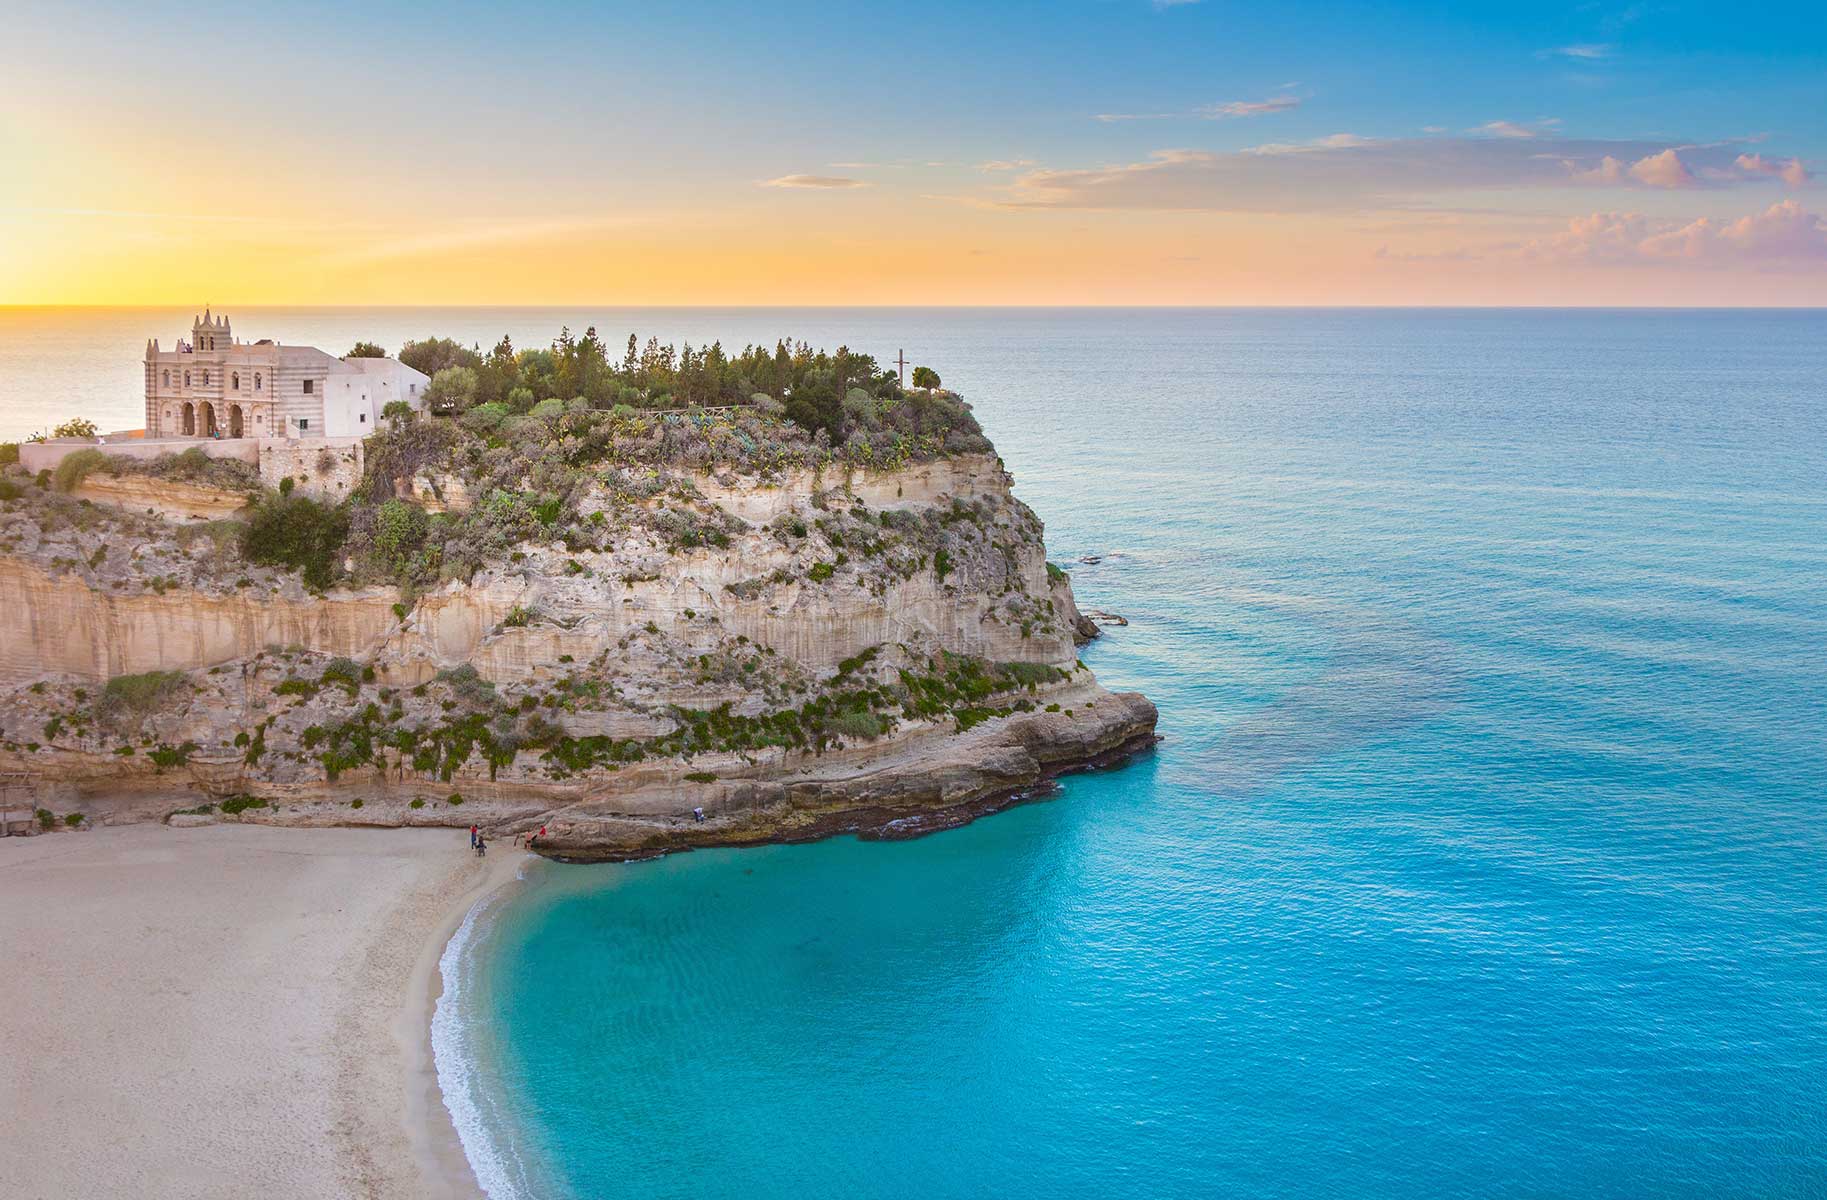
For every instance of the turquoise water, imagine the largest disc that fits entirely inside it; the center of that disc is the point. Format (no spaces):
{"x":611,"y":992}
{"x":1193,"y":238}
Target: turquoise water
{"x":1486,"y":853}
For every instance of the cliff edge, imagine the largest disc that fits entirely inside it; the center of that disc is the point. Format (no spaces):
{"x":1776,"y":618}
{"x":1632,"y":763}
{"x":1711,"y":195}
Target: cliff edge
{"x":641,"y":631}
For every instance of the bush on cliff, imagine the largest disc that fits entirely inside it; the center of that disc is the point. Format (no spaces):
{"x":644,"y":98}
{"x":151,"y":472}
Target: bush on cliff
{"x":128,"y":700}
{"x":77,"y":467}
{"x":297,"y":532}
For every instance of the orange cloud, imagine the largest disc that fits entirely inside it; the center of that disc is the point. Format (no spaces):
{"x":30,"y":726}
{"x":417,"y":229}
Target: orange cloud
{"x":1664,"y":170}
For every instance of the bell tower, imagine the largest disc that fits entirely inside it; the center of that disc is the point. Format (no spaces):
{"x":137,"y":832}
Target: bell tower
{"x":209,"y":333}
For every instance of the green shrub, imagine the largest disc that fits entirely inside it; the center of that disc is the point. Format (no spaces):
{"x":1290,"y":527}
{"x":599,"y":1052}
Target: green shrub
{"x":356,"y":803}
{"x":1029,"y":675}
{"x":132,"y":698}
{"x":75,"y":427}
{"x":858,"y":724}
{"x":72,"y":819}
{"x":701,"y":777}
{"x":455,"y":799}
{"x":237,"y":804}
{"x":416,"y":803}
{"x":10,"y":490}
{"x":299,"y":533}
{"x":344,"y":673}
{"x":942,"y":563}
{"x":821,"y":571}
{"x":399,"y":531}
{"x":172,"y":756}
{"x":9,"y":453}
{"x":77,"y":467}
{"x":47,"y":820}
{"x":1055,"y":574}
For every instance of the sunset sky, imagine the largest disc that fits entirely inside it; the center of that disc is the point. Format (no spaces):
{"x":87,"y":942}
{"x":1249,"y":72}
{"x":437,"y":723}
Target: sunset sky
{"x":1076,"y":152}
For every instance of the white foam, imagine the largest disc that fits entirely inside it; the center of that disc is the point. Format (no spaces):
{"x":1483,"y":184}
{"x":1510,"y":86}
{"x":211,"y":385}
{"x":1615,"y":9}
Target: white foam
{"x":494,"y":1159}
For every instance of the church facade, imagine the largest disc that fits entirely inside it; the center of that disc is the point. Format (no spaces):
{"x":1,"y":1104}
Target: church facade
{"x":214,"y":386}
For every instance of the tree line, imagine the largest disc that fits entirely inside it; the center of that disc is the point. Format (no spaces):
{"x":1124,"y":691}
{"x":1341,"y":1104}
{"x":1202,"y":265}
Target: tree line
{"x":809,"y":384}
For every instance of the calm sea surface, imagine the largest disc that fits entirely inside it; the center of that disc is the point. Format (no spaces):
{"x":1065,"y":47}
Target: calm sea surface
{"x":1486,"y":853}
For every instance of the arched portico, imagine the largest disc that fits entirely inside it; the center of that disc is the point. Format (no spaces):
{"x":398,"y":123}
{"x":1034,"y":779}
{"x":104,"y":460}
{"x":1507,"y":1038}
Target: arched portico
{"x":190,"y":419}
{"x":234,"y":421}
{"x":208,"y":415}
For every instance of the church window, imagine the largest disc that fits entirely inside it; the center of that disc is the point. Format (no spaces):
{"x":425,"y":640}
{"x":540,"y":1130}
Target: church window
{"x":256,"y":381}
{"x":187,"y":379}
{"x":235,"y":381}
{"x":308,"y":384}
{"x":167,"y":380}
{"x":304,"y":422}
{"x":206,"y":379}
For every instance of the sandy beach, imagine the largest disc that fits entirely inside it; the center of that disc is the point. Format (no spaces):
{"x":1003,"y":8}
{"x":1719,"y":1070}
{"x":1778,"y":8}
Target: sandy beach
{"x":229,"y":1011}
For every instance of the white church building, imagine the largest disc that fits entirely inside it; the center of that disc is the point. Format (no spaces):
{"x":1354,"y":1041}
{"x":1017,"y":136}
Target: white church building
{"x":216,"y":387}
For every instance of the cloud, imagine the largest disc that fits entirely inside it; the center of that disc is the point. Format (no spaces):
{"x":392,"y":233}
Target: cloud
{"x":1664,"y":170}
{"x":1784,"y":232}
{"x":1228,"y":110}
{"x":1350,"y":173}
{"x":1006,"y":164}
{"x":1457,"y":254}
{"x":1791,"y":172}
{"x":1505,"y":129}
{"x":836,"y":182}
{"x":1782,"y":235}
{"x":1609,"y":171}
{"x":1249,"y":108}
{"x":1332,"y":141}
{"x":1582,"y":51}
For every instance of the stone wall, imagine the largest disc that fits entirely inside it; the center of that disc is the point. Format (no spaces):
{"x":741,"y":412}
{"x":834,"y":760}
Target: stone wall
{"x":44,"y":456}
{"x":328,"y":468}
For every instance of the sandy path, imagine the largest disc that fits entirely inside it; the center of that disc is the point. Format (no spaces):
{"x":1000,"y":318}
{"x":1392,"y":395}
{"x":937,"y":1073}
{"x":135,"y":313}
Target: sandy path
{"x":227,"y":1011}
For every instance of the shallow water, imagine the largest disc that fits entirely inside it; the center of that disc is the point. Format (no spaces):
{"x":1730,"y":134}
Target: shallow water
{"x":1484,"y":854}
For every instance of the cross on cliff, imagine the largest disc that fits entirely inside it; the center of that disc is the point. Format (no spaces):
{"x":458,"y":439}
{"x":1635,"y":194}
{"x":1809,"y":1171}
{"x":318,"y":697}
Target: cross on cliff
{"x":901,"y":363}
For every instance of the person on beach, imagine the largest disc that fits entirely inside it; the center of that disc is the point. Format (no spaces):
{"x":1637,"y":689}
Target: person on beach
{"x":475,"y":832}
{"x":481,"y":846}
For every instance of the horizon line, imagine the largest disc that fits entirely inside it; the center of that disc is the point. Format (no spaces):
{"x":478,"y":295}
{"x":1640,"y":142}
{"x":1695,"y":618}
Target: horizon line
{"x":953,"y":307}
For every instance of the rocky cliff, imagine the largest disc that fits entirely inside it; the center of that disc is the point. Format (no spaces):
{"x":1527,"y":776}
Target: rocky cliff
{"x":790,"y":650}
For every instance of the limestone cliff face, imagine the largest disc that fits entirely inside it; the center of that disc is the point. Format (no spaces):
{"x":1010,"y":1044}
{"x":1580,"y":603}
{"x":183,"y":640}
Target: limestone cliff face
{"x":868,"y":648}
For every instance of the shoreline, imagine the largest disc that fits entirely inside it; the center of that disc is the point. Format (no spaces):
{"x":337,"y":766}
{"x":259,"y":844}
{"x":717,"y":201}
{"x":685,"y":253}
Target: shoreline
{"x":437,"y":1145}
{"x":231,"y":1010}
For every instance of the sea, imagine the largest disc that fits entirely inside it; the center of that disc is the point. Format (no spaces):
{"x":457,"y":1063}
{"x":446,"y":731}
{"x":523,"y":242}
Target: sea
{"x":1484,"y":853}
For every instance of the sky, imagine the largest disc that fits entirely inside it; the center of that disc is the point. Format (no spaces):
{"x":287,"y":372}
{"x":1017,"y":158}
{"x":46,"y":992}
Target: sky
{"x":1120,"y":152}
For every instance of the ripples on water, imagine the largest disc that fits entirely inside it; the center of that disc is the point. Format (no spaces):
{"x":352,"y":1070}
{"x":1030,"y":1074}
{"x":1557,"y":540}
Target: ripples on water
{"x":1484,"y":854}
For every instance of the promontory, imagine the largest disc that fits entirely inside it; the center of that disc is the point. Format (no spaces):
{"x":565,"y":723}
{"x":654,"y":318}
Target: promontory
{"x":680,"y":599}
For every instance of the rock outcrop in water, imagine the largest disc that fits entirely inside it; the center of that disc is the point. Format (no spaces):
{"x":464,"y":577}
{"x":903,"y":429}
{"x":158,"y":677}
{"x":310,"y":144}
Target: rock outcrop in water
{"x":791,"y":650}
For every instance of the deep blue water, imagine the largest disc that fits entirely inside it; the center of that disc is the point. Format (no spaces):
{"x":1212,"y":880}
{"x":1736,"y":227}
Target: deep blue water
{"x":1484,"y":854}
